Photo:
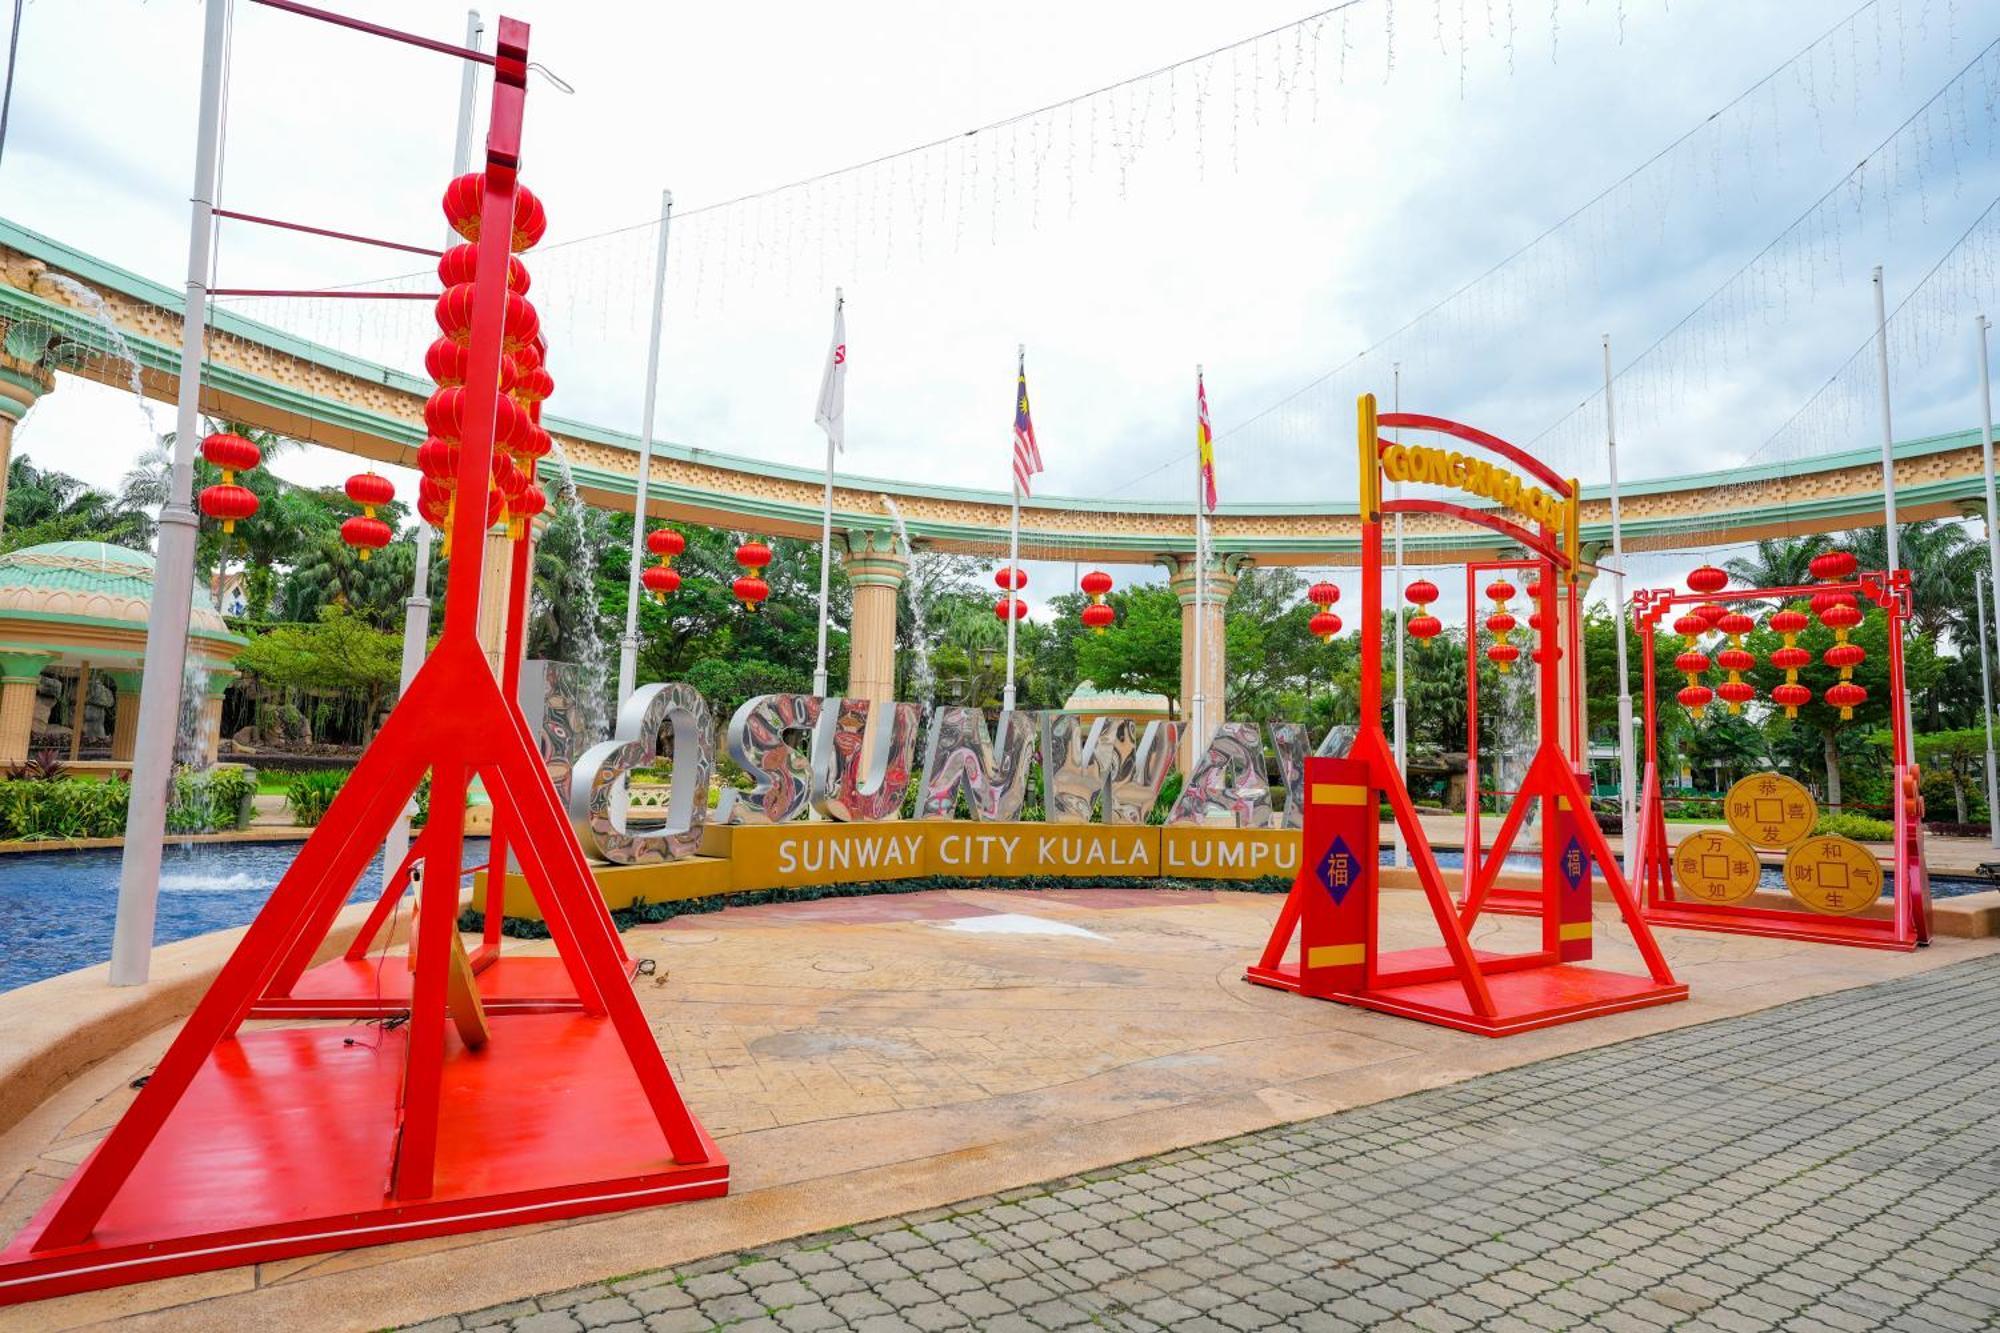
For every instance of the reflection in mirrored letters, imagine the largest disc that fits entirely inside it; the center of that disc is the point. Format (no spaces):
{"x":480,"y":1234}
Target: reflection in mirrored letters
{"x":626,"y":827}
{"x":762,"y":739}
{"x":863,"y":781}
{"x":1227,"y":786}
{"x":961,"y":758}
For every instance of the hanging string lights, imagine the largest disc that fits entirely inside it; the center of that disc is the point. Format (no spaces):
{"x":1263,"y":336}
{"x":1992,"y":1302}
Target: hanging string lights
{"x":225,"y":500}
{"x":365,"y":532}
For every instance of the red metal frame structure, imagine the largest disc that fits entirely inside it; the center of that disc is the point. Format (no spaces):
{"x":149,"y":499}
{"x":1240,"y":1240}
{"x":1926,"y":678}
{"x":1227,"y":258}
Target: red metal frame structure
{"x":1908,"y":923}
{"x":248,"y":1146}
{"x":1333,"y":904}
{"x":1484,"y":869}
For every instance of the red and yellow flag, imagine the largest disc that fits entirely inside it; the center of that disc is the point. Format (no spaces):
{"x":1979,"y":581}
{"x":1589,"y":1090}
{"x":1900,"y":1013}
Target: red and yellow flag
{"x":1205,"y":442}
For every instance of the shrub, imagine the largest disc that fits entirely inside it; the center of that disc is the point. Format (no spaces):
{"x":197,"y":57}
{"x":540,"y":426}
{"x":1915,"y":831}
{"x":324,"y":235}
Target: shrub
{"x":1861,"y":828}
{"x":34,"y":810}
{"x":312,"y":792}
{"x":207,"y":801}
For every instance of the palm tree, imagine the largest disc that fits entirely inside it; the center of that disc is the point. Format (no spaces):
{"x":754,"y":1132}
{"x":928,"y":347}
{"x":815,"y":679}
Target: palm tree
{"x":50,"y":506}
{"x":1939,"y":555}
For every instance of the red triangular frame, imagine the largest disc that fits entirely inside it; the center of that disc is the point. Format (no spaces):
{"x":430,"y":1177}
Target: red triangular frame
{"x":247,"y":1146}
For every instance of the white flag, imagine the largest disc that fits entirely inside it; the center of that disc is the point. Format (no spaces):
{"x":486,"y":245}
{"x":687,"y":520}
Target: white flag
{"x":832,"y":414}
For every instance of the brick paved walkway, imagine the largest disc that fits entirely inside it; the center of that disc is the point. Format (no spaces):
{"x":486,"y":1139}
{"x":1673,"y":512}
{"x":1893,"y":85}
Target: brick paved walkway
{"x":1831,"y":1164}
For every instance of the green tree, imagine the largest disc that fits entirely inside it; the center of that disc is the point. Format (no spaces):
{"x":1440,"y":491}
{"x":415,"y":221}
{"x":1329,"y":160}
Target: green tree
{"x":339,"y":655}
{"x":1958,"y":756}
{"x":50,"y":506}
{"x":1143,"y":651}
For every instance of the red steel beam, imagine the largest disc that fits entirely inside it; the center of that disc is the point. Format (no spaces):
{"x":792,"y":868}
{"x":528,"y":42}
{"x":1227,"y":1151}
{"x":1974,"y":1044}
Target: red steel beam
{"x":327,"y":231}
{"x":376,"y":30}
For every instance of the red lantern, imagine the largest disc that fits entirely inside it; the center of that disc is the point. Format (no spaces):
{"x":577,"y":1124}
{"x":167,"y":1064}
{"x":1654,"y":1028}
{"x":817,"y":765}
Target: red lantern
{"x":228,"y":502}
{"x":459,"y":264}
{"x":1504,"y":655}
{"x":1846,"y":657}
{"x":231,"y":453}
{"x":1691,"y":664}
{"x":1694,"y":698}
{"x":1421,"y":593}
{"x":1324,"y":625}
{"x":365,"y":533}
{"x":665,"y":542}
{"x":1846,"y":696}
{"x":1424,"y":627}
{"x":1791,"y":694}
{"x":1010,"y":608}
{"x":750,"y":591}
{"x":1535,"y":586}
{"x":753,"y":554}
{"x":522,"y":508}
{"x":1096,"y":583}
{"x":1323,"y":593}
{"x":1735,"y":624}
{"x":433,"y":503}
{"x":444,"y":361}
{"x":1500,"y":590}
{"x":438,"y":460}
{"x":1736,"y":693}
{"x":1707,"y":579}
{"x":1709,"y":613}
{"x":1501,"y":623}
{"x":660,"y":580}
{"x":1789,"y":623}
{"x":1690,"y":626}
{"x":1832,"y":566}
{"x":1010,"y":579}
{"x":1840,"y":617}
{"x":464,"y":197}
{"x":533,"y":385}
{"x":369,"y":489}
{"x":1822,"y":600}
{"x":520,"y":326}
{"x":1098,"y":615}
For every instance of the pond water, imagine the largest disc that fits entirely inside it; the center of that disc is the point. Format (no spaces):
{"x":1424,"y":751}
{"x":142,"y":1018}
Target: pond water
{"x":58,"y":907}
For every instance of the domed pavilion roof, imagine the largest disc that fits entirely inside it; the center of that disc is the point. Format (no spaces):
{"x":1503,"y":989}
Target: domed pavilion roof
{"x":75,"y":597}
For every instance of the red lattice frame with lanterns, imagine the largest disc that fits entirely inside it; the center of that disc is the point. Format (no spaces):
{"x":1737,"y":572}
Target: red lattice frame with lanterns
{"x":1907,"y":922}
{"x":1332,"y":909}
{"x":247,"y":1146}
{"x":1483,"y":865}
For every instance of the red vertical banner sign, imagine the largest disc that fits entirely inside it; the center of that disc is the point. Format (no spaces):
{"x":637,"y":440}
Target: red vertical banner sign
{"x":1566,"y":881}
{"x":1339,"y":875}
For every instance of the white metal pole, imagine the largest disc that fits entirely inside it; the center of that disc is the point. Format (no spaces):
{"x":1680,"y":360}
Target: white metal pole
{"x":826,"y":540}
{"x":1198,"y":705}
{"x":1982,"y":324}
{"x":173,"y":571}
{"x":1627,"y":759}
{"x":1013,"y":546}
{"x":417,"y":606}
{"x":1889,"y":478}
{"x":1399,"y":710}
{"x":1986,"y":695}
{"x":628,"y":646}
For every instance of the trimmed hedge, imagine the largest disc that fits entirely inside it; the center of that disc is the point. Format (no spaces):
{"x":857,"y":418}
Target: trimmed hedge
{"x":61,"y":809}
{"x":1861,"y":828}
{"x":645,"y":913}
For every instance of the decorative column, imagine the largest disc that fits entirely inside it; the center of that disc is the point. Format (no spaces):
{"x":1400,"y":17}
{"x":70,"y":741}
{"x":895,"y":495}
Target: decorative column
{"x":125,"y":714}
{"x":875,"y":571}
{"x":20,"y":673}
{"x":493,"y":578}
{"x":211,"y":714}
{"x":1223,"y":571}
{"x":21,"y":383}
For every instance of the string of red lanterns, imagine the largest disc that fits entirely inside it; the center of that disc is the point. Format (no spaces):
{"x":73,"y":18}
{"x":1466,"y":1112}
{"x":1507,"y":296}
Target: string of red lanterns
{"x":1324,"y":624}
{"x":662,"y":578}
{"x":1500,"y":623}
{"x":1011,"y":579}
{"x":750,"y":588}
{"x":1838,"y":612}
{"x":225,"y":500}
{"x":1423,"y":626}
{"x":365,"y":532}
{"x":1097,"y":613}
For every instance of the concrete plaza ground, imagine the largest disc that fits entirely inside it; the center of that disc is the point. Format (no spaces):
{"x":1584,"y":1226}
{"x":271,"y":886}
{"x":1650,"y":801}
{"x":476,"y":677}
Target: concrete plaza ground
{"x":868,"y":1058}
{"x":1828,"y":1164}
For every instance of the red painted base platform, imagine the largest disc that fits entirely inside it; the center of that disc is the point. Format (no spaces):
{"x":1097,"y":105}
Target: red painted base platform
{"x":284,"y":1143}
{"x":1524,"y":998}
{"x":380,"y":987}
{"x":1860,"y":932}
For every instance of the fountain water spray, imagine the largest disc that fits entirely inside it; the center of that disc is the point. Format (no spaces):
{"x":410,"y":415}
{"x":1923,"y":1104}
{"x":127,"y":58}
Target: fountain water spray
{"x":94,"y":307}
{"x":593,"y":653}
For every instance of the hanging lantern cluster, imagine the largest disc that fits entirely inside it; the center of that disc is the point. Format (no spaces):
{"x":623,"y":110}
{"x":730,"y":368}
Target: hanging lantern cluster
{"x":1011,"y":579}
{"x":1324,"y":624}
{"x":1838,"y":612}
{"x":1693,"y":663}
{"x":519,"y":441}
{"x":1500,"y":623}
{"x":1097,"y":614}
{"x":1788,"y":659}
{"x":1735,"y":659}
{"x":227,"y":501}
{"x":750,"y":588}
{"x":1423,"y":626}
{"x":365,"y":532}
{"x":662,"y":578}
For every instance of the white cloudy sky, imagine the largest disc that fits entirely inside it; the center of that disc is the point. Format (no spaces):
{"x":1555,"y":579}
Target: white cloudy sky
{"x":1309,"y":219}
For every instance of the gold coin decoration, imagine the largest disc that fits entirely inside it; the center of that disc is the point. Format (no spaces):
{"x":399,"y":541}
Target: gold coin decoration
{"x":1716,"y":867}
{"x":1771,"y":810}
{"x":1834,"y":875}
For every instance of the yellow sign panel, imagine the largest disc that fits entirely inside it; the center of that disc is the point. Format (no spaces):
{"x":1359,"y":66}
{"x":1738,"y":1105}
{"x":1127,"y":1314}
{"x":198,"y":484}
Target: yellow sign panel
{"x":1228,"y":853}
{"x":1422,"y":463}
{"x":973,"y":849}
{"x":1771,"y":810}
{"x":1834,"y":875}
{"x":771,"y":856}
{"x":1716,"y":867}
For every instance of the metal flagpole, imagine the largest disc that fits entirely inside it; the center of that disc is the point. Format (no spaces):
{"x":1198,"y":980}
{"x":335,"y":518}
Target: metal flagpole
{"x":1013,"y":545}
{"x":1982,"y":324}
{"x":826,"y":540}
{"x":417,"y":607}
{"x":1986,"y":694}
{"x":1889,"y":471}
{"x":1399,"y":707}
{"x":628,"y":646}
{"x":173,"y":575}
{"x":1198,"y":705}
{"x":1627,"y":761}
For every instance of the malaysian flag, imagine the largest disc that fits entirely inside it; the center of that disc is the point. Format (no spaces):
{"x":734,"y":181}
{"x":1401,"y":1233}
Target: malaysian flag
{"x":1027,"y":458}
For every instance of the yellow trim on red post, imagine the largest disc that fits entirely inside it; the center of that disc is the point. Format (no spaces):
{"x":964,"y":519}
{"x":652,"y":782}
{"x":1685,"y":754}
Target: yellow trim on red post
{"x":1371,"y":459}
{"x":1336,"y":955}
{"x":1339,"y":793}
{"x":1574,"y":930}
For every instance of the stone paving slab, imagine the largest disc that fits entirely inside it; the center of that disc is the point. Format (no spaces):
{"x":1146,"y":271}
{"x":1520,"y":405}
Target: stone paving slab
{"x":1828,"y":1164}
